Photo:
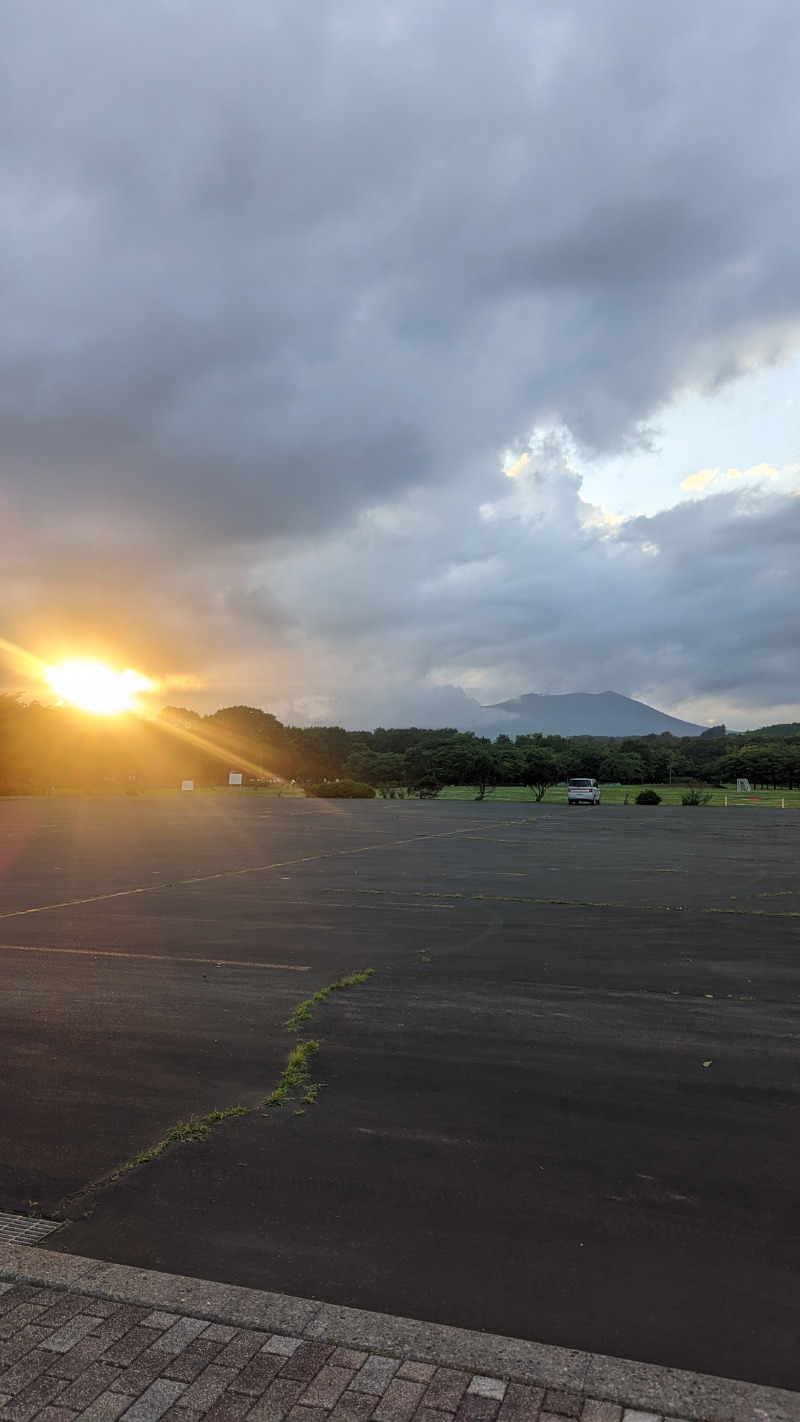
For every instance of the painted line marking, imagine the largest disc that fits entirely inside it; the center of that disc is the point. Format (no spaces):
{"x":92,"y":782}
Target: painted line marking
{"x":152,"y":957}
{"x":561,"y":903}
{"x":239,"y":873}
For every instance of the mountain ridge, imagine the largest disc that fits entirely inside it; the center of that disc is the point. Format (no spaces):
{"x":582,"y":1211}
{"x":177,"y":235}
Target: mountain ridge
{"x":587,"y":713}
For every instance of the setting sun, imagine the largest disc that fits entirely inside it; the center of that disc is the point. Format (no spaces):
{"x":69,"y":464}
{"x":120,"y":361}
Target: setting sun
{"x":95,"y":687}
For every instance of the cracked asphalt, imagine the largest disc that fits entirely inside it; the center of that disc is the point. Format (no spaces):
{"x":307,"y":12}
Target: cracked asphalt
{"x":565,"y":1108}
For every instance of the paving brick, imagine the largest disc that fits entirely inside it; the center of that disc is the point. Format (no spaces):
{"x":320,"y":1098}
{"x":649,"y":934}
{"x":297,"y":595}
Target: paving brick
{"x":64,"y":1307}
{"x":72,"y":1364}
{"x":446,"y":1389}
{"x":326,"y":1388}
{"x":65,"y":1338}
{"x":482,"y":1386}
{"x":159,"y":1319}
{"x":20,"y":1317}
{"x":400,"y":1401}
{"x":205,"y":1390}
{"x":417,"y":1372}
{"x":183,"y":1414}
{"x":129,"y":1346}
{"x":476,"y":1408}
{"x":25,"y":1370}
{"x":180,"y":1335}
{"x":101,"y":1308}
{"x":119,"y":1323}
{"x":632,"y":1415}
{"x":308,"y":1414}
{"x":153,"y":1404}
{"x":553,"y":1417}
{"x":306,"y":1360}
{"x":277,"y":1402}
{"x":22,"y":1343}
{"x":258,"y":1375}
{"x":375,"y":1376}
{"x":83,"y":1391}
{"x":229,"y":1407}
{"x":107,"y":1407}
{"x":32,"y":1399}
{"x":15,"y":1295}
{"x":285,"y":1346}
{"x":355,"y":1407}
{"x":347,"y":1358}
{"x":189,"y":1364}
{"x":139,"y":1375}
{"x":596,"y":1411}
{"x":523,"y":1404}
{"x":432,"y":1414}
{"x":564,"y":1404}
{"x":241,"y":1349}
{"x":56,"y":1414}
{"x":220,"y":1333}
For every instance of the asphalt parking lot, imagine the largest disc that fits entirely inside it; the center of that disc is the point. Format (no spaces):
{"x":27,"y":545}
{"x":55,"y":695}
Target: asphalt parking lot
{"x":564,"y":1108}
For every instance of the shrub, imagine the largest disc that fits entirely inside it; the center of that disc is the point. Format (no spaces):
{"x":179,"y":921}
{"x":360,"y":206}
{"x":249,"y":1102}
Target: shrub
{"x":341,"y":790}
{"x":427,"y":787}
{"x":696,"y":797}
{"x":648,"y":797}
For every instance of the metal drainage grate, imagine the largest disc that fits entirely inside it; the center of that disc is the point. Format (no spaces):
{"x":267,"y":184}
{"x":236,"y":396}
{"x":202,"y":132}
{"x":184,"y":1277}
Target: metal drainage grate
{"x":22,"y":1229}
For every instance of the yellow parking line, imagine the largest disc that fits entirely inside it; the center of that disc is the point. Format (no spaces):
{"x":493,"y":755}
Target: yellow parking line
{"x":152,"y":957}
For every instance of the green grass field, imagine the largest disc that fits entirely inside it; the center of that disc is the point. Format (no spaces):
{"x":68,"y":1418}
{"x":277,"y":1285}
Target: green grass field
{"x":612,"y":794}
{"x":615,"y":795}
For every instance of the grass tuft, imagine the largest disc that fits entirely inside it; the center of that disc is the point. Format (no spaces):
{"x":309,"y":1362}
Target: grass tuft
{"x":295,"y":1075}
{"x":197,"y":1128}
{"x":303,"y":1010}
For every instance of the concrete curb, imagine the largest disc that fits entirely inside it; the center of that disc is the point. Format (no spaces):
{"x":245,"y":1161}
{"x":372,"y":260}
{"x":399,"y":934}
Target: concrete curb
{"x":688,"y":1397}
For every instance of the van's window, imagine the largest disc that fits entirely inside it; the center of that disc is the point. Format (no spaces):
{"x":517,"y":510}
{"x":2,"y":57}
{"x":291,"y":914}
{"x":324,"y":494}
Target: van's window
{"x":582,"y":784}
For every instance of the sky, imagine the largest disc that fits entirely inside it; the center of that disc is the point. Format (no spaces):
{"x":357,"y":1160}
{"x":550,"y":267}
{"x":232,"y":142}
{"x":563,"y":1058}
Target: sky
{"x":366,"y":363}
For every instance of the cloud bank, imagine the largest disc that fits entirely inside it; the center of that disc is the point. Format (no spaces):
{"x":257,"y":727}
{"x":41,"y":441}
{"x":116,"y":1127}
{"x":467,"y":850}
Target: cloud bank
{"x":285,"y":286}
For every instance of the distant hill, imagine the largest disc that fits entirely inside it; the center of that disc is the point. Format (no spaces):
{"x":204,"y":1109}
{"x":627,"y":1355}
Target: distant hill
{"x":584,"y":713}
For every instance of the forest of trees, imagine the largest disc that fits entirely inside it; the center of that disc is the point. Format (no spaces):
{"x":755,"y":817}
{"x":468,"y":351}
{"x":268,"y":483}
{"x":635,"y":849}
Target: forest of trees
{"x":55,"y":747}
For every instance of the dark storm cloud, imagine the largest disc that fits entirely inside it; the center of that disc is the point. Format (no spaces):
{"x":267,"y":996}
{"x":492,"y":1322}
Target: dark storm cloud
{"x":267,"y":266}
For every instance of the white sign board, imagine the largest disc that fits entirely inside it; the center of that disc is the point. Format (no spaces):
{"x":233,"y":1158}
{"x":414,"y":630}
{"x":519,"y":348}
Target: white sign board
{"x":235,"y":777}
{"x":187,"y":785}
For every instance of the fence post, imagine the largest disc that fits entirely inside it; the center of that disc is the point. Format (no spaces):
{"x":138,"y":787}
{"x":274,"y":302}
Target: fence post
{"x":726,"y":802}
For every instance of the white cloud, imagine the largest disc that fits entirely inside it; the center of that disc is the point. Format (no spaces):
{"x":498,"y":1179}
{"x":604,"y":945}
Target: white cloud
{"x":282,"y":284}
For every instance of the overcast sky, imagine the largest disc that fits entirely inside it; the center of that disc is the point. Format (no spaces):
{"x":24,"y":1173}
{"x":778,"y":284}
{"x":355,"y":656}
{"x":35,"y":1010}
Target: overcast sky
{"x":356,"y":357}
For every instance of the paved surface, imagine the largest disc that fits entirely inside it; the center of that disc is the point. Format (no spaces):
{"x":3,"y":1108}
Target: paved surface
{"x":84,"y":1340}
{"x":518,"y":1130}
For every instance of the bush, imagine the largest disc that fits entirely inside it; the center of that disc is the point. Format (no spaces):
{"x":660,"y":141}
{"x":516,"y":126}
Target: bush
{"x":648,"y":797}
{"x":696,"y":797}
{"x":341,"y":790}
{"x":427,"y":787}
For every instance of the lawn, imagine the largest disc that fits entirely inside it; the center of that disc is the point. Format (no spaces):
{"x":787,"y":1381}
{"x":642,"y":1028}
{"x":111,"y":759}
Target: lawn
{"x":615,"y":795}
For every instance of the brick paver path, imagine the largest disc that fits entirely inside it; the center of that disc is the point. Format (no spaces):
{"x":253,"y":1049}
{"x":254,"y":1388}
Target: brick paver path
{"x":67,"y":1356}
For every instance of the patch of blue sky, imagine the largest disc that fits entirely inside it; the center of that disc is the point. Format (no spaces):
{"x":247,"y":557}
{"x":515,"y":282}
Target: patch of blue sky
{"x":744,"y":431}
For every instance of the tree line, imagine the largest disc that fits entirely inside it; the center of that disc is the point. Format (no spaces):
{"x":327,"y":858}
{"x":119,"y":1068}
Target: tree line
{"x":56,"y":747}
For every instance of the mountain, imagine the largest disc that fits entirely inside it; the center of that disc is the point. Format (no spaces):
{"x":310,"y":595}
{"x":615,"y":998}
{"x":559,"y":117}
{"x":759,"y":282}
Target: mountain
{"x":584,"y":713}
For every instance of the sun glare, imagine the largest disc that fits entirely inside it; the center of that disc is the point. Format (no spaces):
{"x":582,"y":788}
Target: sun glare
{"x":95,"y":687}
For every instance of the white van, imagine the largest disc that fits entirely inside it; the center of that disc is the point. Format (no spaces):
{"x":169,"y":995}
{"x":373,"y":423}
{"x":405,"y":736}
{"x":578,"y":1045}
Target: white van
{"x":583,"y":792}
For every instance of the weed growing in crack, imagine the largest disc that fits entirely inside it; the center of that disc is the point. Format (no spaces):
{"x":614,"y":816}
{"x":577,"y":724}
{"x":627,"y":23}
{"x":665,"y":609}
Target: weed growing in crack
{"x":302,"y":1012}
{"x":197,"y":1128}
{"x":294,"y":1079}
{"x":296,"y":1074}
